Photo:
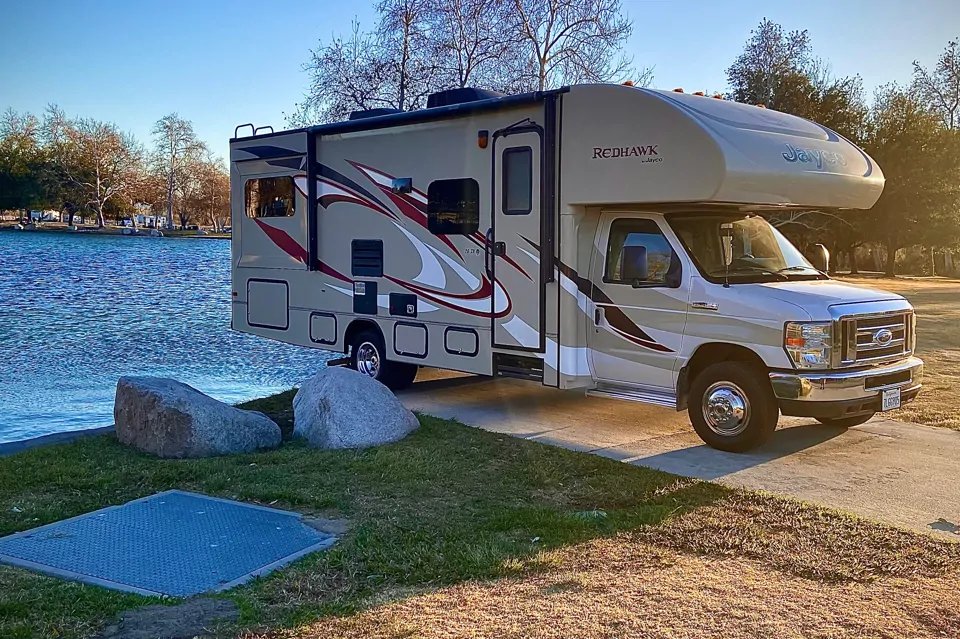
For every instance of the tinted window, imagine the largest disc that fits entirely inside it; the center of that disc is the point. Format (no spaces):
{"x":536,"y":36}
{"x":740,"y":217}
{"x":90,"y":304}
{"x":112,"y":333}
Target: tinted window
{"x":518,"y":181}
{"x":627,"y":232}
{"x":270,"y":197}
{"x":453,"y":207}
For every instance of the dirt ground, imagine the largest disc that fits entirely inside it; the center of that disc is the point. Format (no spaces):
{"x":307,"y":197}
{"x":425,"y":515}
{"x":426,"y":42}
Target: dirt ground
{"x":937,"y":301}
{"x":624,"y":587}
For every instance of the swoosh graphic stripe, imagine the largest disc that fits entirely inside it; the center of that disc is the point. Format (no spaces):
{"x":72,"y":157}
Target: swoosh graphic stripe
{"x":283,"y":240}
{"x":616,"y":318}
{"x":409,"y":207}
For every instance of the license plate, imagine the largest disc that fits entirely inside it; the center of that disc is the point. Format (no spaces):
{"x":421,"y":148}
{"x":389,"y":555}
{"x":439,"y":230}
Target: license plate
{"x":891,"y":399}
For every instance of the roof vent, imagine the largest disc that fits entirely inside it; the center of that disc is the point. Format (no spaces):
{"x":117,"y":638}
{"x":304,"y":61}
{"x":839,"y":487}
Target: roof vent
{"x":372,"y":113}
{"x":459,"y":96}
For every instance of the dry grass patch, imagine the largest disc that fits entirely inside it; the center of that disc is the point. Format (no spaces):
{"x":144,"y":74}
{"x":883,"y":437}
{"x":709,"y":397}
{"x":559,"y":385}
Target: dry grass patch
{"x":624,"y":587}
{"x":937,"y":301}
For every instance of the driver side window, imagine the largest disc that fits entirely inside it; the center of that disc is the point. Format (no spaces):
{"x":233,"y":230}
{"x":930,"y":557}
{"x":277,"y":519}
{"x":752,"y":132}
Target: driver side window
{"x":638,"y":254}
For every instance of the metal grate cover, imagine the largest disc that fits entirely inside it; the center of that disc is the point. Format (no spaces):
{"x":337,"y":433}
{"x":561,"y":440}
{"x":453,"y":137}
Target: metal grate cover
{"x":173,"y":543}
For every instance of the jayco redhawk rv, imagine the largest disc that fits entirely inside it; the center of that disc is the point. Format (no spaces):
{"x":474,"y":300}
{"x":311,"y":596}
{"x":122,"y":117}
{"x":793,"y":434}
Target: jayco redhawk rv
{"x":602,"y":237}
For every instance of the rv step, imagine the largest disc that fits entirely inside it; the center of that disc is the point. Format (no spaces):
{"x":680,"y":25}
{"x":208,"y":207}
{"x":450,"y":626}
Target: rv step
{"x":643,"y":395}
{"x":519,"y":367}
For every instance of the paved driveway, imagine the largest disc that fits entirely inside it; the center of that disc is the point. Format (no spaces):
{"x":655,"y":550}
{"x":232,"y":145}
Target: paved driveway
{"x":901,"y":473}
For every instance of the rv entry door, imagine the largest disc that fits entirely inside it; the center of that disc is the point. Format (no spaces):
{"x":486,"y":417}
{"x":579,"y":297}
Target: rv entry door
{"x":513,"y":242}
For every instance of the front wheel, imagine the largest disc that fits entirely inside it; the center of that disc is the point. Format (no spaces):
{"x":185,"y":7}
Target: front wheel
{"x":846,"y":422}
{"x":732,"y":406}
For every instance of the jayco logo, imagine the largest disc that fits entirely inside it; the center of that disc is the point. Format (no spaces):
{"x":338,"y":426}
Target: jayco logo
{"x":794,"y":154}
{"x":627,"y":152}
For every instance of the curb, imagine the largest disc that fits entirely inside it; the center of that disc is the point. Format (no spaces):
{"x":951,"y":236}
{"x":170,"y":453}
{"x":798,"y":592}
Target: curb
{"x":12,"y":448}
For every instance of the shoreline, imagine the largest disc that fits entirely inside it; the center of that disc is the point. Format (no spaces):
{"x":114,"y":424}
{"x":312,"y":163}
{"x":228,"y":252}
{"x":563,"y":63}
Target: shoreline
{"x":62,"y":437}
{"x":118,"y":231}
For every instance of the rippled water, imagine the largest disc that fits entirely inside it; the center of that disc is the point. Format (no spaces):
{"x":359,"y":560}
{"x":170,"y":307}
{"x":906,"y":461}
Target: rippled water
{"x":79,"y":311}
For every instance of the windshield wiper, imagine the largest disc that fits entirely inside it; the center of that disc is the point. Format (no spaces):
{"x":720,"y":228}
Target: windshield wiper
{"x":802,"y":267}
{"x":754,"y":271}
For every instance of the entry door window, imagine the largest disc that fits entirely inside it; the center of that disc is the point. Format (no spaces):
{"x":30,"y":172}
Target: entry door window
{"x":518,"y":180}
{"x":632,"y":241}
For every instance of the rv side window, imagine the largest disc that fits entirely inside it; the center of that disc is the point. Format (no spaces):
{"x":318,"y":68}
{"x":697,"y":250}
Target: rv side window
{"x":518,"y":180}
{"x":269,"y":197}
{"x":453,"y":207}
{"x":638,"y":253}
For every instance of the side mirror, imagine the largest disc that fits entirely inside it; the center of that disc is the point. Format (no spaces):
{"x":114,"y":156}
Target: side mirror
{"x":633,"y":264}
{"x":821,"y":257}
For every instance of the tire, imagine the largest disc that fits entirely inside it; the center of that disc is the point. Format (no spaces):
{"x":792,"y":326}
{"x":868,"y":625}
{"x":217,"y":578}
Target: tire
{"x":846,"y":422}
{"x":368,"y":356}
{"x":733,"y":389}
{"x":402,"y":375}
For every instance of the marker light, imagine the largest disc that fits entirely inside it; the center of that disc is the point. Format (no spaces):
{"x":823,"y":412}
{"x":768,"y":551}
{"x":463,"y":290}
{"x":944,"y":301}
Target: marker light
{"x":483,"y":138}
{"x":700,"y":93}
{"x":678,"y":90}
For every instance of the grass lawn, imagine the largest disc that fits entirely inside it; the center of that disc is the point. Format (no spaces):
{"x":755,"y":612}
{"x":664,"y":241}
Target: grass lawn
{"x":937,"y":302}
{"x":460,"y":532}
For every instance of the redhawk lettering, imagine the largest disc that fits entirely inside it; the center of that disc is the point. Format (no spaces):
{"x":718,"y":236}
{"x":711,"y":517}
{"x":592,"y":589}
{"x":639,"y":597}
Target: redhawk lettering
{"x":624,"y":151}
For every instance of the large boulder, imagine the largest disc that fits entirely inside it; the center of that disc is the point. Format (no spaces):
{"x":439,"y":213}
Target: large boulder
{"x":170,"y":419}
{"x":341,"y":408}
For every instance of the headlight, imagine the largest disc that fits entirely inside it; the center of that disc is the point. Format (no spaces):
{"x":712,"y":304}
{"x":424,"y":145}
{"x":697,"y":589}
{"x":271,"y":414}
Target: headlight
{"x":809,"y":344}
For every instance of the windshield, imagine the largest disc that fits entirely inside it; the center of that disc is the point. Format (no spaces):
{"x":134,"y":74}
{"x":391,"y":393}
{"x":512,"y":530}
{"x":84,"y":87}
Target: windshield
{"x":739,"y":248}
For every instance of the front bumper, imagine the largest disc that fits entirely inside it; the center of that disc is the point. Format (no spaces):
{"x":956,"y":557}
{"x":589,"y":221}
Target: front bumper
{"x":833,"y":395}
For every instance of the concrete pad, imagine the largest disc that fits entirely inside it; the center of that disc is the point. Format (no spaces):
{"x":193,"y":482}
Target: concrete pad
{"x":901,"y":473}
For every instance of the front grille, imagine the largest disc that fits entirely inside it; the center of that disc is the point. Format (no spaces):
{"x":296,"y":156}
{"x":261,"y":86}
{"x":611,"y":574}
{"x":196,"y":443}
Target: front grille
{"x":871,"y":339}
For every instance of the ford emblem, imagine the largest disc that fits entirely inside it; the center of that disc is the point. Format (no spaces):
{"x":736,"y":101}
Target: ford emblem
{"x":883,"y":337}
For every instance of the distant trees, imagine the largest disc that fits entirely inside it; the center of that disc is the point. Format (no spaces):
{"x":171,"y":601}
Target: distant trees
{"x":910,"y":131}
{"x":922,"y":168}
{"x":174,"y":143}
{"x":78,"y":165}
{"x":940,"y":88}
{"x":422,"y":46}
{"x":21,"y":158}
{"x":98,"y":162}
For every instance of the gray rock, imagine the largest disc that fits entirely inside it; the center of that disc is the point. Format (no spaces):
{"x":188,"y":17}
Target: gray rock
{"x":341,"y":408}
{"x":170,"y":419}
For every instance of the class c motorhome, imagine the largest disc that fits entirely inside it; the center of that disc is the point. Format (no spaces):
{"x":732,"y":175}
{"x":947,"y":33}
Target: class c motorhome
{"x":601,"y":237}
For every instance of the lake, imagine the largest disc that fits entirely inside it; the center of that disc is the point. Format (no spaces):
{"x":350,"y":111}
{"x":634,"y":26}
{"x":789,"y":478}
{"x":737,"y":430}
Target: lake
{"x":78,"y":311}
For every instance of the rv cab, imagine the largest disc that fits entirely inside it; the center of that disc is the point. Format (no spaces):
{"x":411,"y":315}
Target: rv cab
{"x":605,"y":238}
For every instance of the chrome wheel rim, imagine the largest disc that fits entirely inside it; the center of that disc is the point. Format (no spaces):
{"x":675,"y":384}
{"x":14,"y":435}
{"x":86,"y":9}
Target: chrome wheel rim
{"x":726,"y":409}
{"x":368,"y":360}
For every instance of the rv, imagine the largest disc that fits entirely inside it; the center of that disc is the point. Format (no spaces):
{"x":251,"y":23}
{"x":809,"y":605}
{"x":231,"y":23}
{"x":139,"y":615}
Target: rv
{"x":598,"y":237}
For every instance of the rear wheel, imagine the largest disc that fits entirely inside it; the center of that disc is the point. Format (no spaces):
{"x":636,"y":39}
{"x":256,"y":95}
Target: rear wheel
{"x":846,"y":422}
{"x":732,"y":406}
{"x":367,"y":357}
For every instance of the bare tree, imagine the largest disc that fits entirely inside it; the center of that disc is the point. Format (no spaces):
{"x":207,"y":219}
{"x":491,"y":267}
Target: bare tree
{"x":210,"y":195}
{"x":174,"y":141}
{"x":94,"y":159}
{"x":344,"y":76}
{"x":394,"y":67}
{"x":408,"y":54}
{"x":571,"y":41}
{"x":473,"y":43}
{"x":941,"y":87}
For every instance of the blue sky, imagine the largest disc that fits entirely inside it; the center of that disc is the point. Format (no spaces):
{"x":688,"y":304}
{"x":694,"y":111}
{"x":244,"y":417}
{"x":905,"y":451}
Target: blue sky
{"x":223,"y":62}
